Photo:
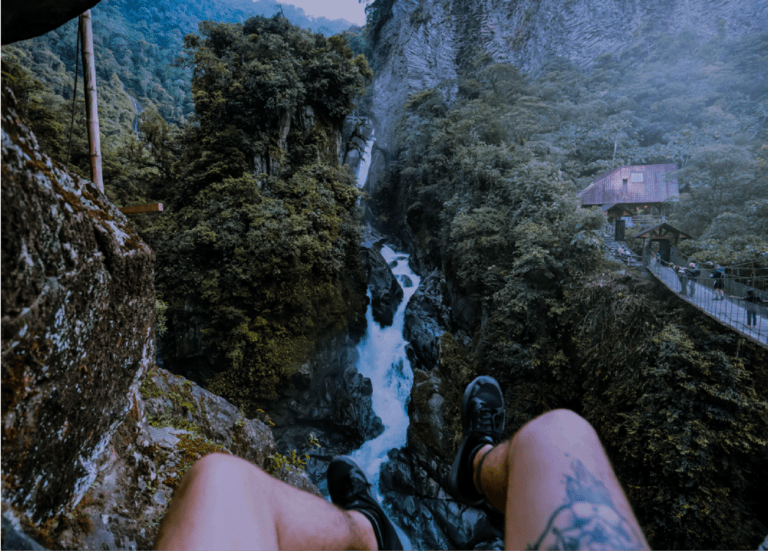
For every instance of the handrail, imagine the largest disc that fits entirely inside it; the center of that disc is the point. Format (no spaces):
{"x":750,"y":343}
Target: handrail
{"x":728,"y":310}
{"x":700,"y":293}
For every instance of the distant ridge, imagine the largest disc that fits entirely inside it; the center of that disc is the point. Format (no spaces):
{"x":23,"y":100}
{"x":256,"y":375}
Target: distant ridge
{"x":294,"y":14}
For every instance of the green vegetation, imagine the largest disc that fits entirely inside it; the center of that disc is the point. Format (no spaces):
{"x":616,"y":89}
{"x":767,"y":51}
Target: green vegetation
{"x":260,"y":232}
{"x":487,"y":184}
{"x":160,"y":328}
{"x":262,"y":236}
{"x":138,"y":42}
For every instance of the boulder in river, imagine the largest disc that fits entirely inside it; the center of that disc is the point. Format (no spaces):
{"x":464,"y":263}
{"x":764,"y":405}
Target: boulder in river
{"x":386,"y":292}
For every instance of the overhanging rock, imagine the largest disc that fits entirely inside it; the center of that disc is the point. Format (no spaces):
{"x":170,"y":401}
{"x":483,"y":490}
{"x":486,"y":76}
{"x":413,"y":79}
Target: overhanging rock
{"x":77,"y":324}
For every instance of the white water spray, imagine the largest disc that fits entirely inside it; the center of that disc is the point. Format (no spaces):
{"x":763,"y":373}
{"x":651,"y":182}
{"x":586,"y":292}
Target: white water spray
{"x":384,"y":361}
{"x":365,"y":162}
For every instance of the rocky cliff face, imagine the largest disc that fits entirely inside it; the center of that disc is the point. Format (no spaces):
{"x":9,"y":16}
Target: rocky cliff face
{"x":172,"y":423}
{"x":95,"y":440}
{"x":428,"y":42}
{"x":328,"y":400}
{"x":77,"y":327}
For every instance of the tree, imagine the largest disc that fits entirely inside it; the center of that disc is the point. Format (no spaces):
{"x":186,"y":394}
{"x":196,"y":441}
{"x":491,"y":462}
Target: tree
{"x":262,"y":243}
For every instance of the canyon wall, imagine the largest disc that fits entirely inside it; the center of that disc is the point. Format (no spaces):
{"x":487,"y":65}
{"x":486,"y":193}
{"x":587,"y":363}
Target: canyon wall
{"x":428,"y":42}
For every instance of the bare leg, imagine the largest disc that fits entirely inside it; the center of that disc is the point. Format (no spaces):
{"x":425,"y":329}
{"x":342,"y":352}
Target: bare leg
{"x":228,"y":503}
{"x":556,"y":487}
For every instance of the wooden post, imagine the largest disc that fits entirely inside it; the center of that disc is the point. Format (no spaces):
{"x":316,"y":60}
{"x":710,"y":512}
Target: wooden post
{"x":91,"y":105}
{"x":140,"y":209}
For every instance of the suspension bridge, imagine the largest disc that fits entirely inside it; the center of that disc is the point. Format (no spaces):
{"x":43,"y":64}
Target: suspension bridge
{"x":748,"y":319}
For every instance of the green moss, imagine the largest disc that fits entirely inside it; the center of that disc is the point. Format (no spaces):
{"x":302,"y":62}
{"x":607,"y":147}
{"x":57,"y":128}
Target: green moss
{"x":190,"y":448}
{"x":458,"y":367}
{"x":148,"y":388}
{"x":175,"y":421}
{"x":278,"y":464}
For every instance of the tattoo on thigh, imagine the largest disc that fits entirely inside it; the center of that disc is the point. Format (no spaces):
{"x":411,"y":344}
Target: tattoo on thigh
{"x":588,"y":519}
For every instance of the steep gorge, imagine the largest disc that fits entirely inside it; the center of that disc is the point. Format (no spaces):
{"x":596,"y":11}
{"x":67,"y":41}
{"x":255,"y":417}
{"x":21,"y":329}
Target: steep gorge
{"x":426,"y":43}
{"x":508,"y":291}
{"x":524,"y":295}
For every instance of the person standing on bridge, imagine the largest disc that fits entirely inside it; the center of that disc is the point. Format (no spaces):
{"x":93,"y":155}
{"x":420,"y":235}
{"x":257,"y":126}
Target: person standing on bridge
{"x":683,"y":279}
{"x":692,"y":272}
{"x":751,"y":306}
{"x":719,"y":277}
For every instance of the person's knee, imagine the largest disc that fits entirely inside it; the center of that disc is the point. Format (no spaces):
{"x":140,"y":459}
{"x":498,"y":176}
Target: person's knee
{"x":220,"y":466}
{"x":560,"y":425}
{"x":213,"y":462}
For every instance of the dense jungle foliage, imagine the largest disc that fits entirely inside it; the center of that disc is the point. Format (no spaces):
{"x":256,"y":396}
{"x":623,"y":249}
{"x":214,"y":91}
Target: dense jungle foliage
{"x":138,"y":43}
{"x":140,"y":70}
{"x":258,"y":244}
{"x":260,"y":236}
{"x":263,"y":239}
{"x":485,"y":186}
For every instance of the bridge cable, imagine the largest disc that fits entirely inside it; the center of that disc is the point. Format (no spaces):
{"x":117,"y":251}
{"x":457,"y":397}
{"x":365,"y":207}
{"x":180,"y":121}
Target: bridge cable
{"x":74,"y":93}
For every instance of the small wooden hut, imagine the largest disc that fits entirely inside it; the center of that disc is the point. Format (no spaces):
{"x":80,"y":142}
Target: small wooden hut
{"x":667,"y":236}
{"x":631,"y":194}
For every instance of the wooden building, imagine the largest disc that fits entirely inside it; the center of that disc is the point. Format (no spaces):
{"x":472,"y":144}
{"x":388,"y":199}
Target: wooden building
{"x":667,"y":236}
{"x":629,"y":188}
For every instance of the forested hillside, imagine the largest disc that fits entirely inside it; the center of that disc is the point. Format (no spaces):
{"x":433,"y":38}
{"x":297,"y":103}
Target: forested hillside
{"x":484,"y":188}
{"x":138,"y":48}
{"x":260,"y":252}
{"x":257,"y":252}
{"x":139,"y":42}
{"x":702,"y":105}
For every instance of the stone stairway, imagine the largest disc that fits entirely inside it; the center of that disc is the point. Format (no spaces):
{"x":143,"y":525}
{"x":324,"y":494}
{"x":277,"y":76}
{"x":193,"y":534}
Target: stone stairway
{"x":611,"y":250}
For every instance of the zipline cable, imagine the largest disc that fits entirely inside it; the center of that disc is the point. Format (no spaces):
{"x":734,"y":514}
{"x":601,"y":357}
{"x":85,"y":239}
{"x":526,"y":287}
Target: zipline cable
{"x":74,"y":93}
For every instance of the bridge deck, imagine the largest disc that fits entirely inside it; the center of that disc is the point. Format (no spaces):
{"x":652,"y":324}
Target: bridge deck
{"x":730,"y":312}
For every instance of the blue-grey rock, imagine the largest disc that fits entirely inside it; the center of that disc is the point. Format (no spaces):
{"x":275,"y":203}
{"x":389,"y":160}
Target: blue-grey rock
{"x":427,"y":317}
{"x":386,"y":292}
{"x":15,"y":538}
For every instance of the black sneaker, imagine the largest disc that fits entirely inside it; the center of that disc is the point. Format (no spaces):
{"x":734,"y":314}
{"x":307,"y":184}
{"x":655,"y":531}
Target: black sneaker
{"x":482,"y":420}
{"x":350,"y":489}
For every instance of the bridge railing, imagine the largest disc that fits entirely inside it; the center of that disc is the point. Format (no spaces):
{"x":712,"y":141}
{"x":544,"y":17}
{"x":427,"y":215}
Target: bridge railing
{"x":749,"y":318}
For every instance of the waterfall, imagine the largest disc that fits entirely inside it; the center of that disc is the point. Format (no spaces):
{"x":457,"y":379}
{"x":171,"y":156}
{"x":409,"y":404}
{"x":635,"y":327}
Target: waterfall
{"x":136,"y":107}
{"x":384,"y":361}
{"x":365,"y":162}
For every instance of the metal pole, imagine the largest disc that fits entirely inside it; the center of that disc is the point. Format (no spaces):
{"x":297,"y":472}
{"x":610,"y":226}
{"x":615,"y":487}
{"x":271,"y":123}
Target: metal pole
{"x":91,"y":105}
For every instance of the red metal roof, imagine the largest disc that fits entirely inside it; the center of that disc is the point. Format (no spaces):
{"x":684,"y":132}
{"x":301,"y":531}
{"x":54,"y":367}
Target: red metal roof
{"x":632,"y":185}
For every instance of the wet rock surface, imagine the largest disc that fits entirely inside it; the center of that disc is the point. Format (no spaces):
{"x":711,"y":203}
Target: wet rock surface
{"x":330,"y":402}
{"x":426,"y":316}
{"x":412,"y":486}
{"x":386,"y":293}
{"x":77,"y":327}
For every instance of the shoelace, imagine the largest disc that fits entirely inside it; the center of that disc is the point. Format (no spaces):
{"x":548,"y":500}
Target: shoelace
{"x":488,"y":419}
